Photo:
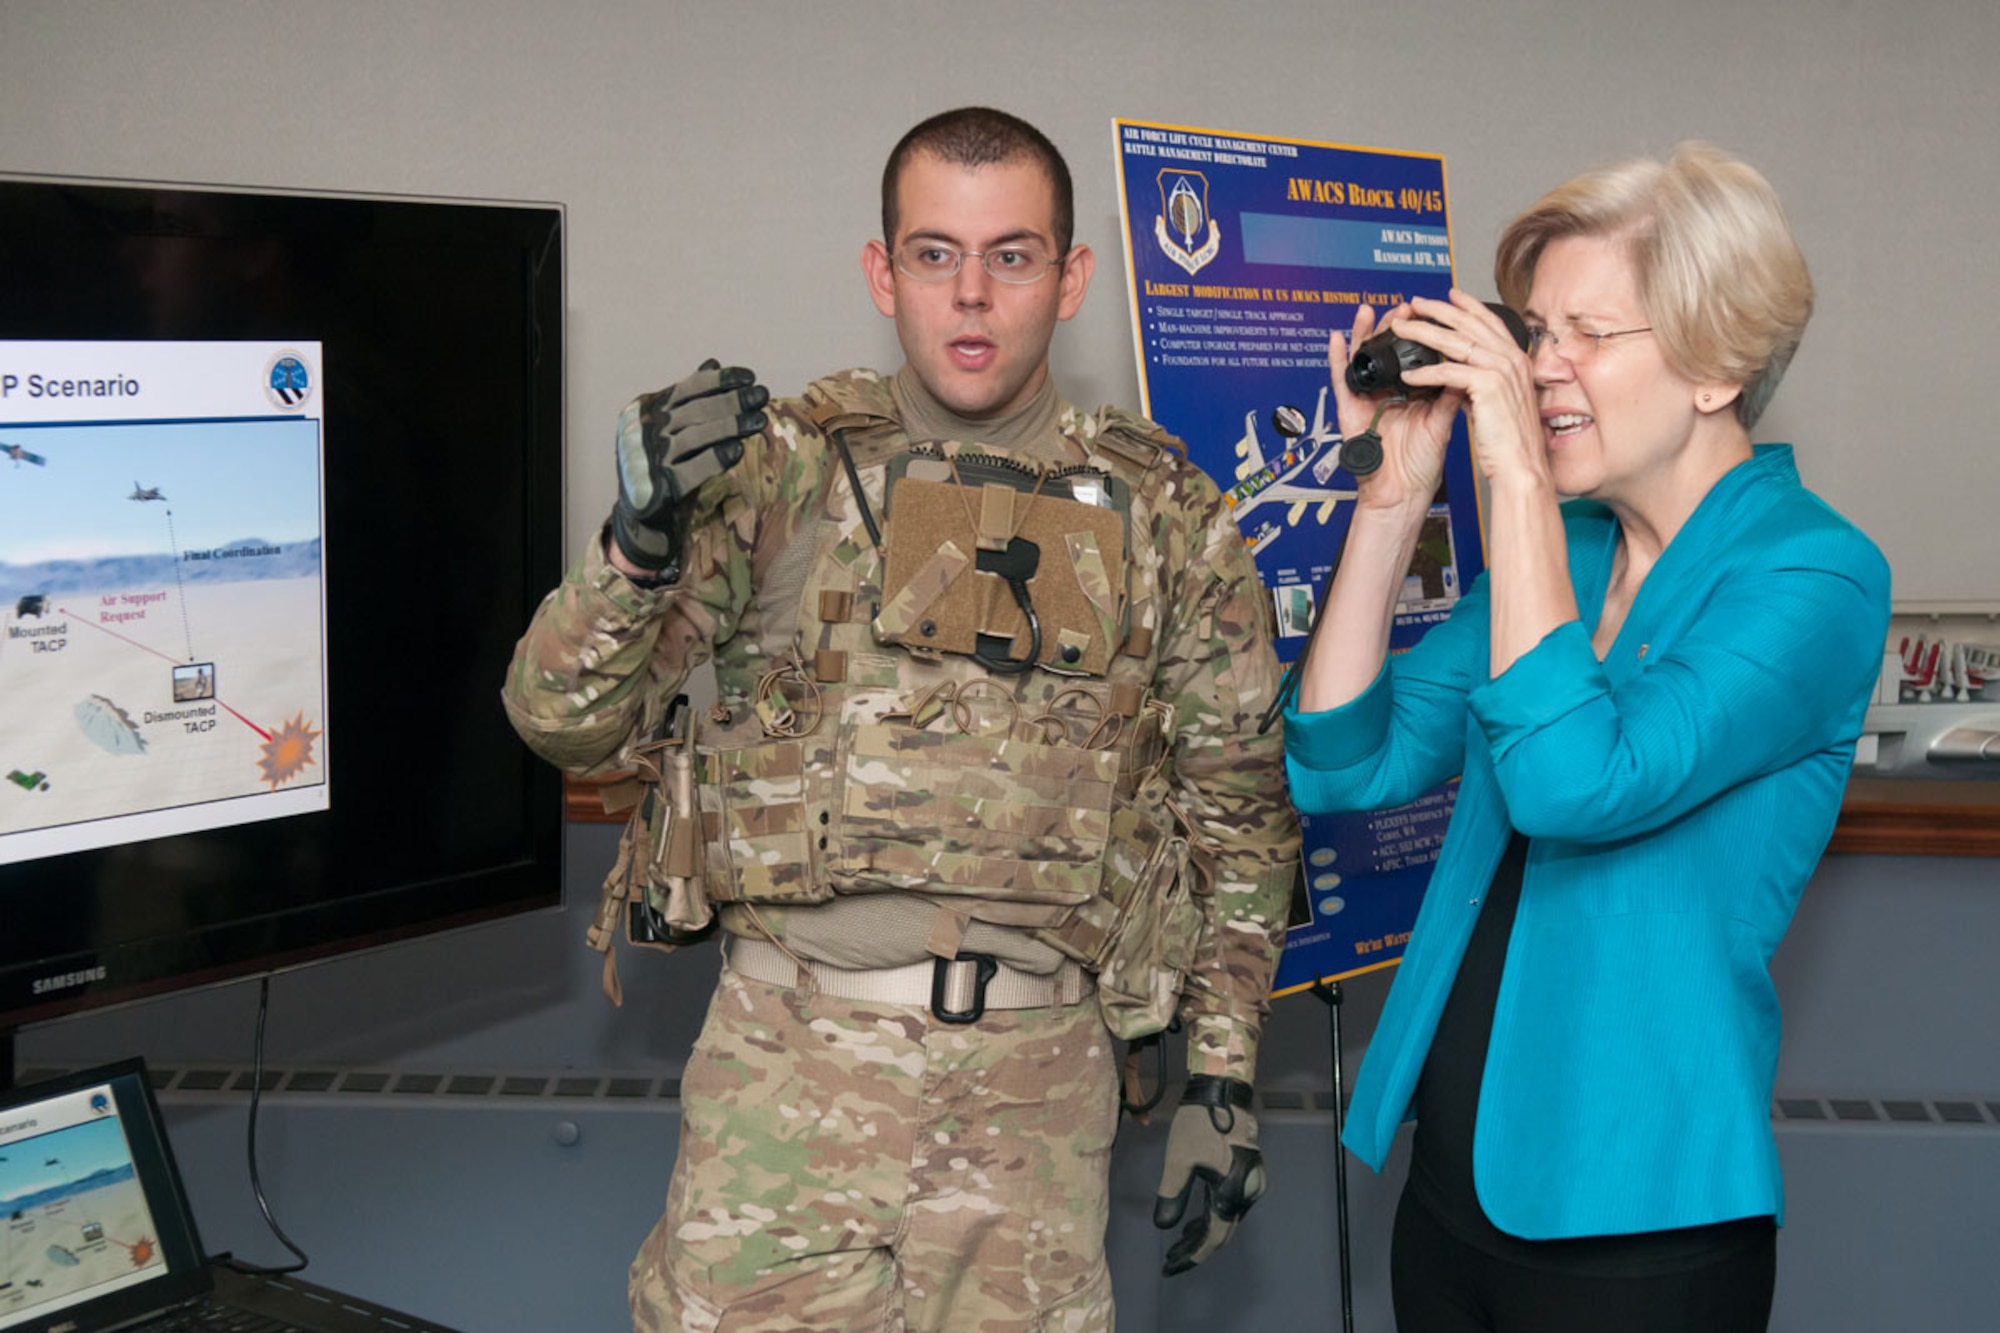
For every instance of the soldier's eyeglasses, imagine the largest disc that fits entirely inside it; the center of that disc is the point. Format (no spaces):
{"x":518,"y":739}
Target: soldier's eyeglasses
{"x":934,"y":261}
{"x":1582,"y":345}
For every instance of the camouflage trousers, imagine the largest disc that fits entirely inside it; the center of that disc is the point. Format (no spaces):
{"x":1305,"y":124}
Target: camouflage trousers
{"x":856,"y":1166}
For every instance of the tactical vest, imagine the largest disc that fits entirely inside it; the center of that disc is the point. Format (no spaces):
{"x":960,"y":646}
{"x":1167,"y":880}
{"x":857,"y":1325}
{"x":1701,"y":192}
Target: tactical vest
{"x":954,"y":702}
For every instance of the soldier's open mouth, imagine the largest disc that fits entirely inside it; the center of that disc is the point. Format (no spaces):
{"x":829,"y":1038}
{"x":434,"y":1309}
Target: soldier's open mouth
{"x":971,"y":353}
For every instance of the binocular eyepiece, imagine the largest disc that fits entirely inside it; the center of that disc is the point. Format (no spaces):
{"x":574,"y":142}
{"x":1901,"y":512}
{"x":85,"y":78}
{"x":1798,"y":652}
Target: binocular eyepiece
{"x":1377,"y":365}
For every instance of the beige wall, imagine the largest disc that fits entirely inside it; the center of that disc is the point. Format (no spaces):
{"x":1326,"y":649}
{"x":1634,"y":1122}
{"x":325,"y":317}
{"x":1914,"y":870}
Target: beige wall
{"x":719,"y":164}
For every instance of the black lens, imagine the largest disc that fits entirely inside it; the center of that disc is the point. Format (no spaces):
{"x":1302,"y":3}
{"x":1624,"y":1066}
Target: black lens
{"x":1377,"y":365}
{"x":1365,"y":369}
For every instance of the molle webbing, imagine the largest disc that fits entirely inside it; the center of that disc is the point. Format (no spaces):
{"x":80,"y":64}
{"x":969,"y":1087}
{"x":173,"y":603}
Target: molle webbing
{"x":782,"y":588}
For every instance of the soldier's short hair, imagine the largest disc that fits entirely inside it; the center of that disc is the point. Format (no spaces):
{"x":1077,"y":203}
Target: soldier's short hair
{"x":979,"y":136}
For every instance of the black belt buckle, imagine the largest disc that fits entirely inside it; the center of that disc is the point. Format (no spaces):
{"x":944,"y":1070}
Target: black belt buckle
{"x":986,"y":968}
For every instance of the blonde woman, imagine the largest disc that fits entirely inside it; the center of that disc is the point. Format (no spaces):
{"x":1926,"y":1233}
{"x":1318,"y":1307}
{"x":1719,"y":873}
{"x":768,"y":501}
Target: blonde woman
{"x":1653,"y":696}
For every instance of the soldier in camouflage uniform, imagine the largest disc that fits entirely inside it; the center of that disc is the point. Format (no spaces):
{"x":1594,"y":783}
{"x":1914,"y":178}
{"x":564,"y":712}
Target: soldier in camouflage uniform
{"x":981,"y":792}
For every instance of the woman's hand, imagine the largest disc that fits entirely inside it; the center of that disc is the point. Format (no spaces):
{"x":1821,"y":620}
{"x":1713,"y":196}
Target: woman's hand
{"x":1350,"y":640}
{"x":1485,"y":371}
{"x":1414,"y":432}
{"x":1527,"y":563}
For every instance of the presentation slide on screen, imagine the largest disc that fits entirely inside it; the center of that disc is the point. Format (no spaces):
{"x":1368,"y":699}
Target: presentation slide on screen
{"x":162,"y":623}
{"x":76,"y":1221}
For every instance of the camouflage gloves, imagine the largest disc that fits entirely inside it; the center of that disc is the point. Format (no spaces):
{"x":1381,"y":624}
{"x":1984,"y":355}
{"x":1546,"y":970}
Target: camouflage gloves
{"x":669,"y":443}
{"x":1214,"y":1141}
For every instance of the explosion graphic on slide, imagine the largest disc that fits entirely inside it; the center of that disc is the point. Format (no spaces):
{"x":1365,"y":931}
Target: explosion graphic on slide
{"x":289,"y":750}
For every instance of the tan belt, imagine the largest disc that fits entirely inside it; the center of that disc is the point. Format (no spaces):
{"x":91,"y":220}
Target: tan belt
{"x":950,"y":987}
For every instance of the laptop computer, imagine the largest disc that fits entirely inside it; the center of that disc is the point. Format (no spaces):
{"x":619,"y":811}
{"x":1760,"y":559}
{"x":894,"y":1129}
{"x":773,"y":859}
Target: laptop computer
{"x":96,"y":1235}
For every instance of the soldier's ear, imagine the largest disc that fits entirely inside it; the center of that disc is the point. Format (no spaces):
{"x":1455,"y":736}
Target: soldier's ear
{"x":880,"y":270}
{"x":1076,"y":271}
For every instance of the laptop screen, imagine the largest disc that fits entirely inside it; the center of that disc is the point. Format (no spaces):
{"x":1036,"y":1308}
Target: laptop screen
{"x":94,"y":1227}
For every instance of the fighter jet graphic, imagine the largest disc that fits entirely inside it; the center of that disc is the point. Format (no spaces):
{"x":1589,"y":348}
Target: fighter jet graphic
{"x":1297,"y":478}
{"x":20,"y":455}
{"x":145,"y":493}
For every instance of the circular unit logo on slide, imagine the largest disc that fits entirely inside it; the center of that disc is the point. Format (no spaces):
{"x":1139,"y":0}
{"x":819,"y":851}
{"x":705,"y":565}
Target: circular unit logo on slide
{"x":287,"y":382}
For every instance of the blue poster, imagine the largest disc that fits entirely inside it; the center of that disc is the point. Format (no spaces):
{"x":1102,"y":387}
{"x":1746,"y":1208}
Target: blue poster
{"x":1243,"y":253}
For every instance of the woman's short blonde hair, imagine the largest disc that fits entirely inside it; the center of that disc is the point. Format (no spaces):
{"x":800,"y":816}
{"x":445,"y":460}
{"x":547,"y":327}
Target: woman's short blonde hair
{"x":1723,"y":282}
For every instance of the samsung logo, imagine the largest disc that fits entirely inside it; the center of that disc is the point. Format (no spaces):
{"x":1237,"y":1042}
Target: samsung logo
{"x":67,"y":980}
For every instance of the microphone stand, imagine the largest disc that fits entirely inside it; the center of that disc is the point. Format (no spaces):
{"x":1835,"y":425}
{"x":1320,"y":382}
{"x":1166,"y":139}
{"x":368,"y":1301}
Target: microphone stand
{"x":1329,"y":991}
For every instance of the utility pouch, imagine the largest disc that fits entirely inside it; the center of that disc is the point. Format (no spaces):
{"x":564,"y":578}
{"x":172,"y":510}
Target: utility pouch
{"x":654,"y":891}
{"x":1138,"y":935}
{"x":677,"y":909}
{"x":950,"y":811}
{"x":756,"y":840}
{"x":1004,"y":561}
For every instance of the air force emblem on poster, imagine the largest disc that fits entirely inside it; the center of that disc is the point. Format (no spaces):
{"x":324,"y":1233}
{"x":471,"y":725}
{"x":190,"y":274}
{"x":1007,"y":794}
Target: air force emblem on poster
{"x":1184,"y":215}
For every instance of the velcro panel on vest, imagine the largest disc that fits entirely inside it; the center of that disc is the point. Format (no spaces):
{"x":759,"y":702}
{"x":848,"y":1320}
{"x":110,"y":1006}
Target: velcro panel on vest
{"x":929,"y":518}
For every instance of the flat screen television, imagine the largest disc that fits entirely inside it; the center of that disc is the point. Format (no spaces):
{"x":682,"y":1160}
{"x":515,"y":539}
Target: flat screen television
{"x":280,"y":485}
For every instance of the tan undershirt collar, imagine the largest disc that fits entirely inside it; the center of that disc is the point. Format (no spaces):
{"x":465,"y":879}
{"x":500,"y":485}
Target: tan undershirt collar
{"x":1031,"y":430}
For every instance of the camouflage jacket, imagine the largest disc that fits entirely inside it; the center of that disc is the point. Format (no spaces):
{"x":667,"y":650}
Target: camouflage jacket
{"x":602,"y":658}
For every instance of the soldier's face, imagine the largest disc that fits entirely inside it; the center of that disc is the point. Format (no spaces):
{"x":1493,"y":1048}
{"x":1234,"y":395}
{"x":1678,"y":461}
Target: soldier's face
{"x":981,"y":346}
